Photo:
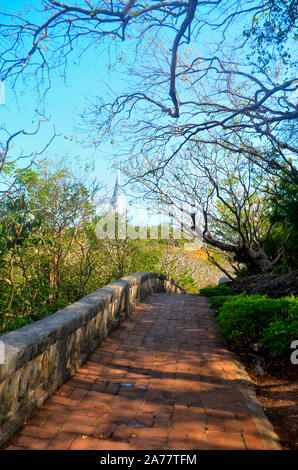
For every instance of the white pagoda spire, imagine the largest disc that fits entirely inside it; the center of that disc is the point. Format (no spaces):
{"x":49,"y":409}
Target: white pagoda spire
{"x":116,"y":201}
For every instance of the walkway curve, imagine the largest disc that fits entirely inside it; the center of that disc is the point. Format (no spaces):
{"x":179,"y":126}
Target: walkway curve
{"x":163,"y":380}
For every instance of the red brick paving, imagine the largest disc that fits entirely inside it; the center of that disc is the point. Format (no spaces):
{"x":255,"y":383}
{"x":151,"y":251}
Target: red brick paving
{"x":163,"y":380}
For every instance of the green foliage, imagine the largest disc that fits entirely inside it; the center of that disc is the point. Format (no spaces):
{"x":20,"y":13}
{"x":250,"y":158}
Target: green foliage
{"x":245,"y":320}
{"x":271,"y":34}
{"x":217,"y":301}
{"x":222,"y":289}
{"x":39,"y":243}
{"x":50,"y":255}
{"x":280,"y":334}
{"x":284,"y":203}
{"x":280,"y":214}
{"x":14,"y":322}
{"x":187,"y":281}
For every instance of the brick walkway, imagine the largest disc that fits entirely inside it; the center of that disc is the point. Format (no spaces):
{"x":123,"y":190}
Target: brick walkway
{"x":163,"y":380}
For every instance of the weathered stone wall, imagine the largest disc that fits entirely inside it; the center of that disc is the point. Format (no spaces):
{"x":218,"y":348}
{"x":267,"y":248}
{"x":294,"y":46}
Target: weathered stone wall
{"x":41,"y":356}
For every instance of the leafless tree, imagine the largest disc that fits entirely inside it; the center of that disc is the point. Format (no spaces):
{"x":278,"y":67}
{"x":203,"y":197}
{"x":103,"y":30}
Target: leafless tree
{"x":60,"y":25}
{"x":254,"y":115}
{"x":175,"y":94}
{"x":178,"y":262}
{"x":11,"y":159}
{"x":233,"y":196}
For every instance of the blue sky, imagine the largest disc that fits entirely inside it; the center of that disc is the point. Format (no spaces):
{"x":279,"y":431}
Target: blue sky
{"x":64,"y":102}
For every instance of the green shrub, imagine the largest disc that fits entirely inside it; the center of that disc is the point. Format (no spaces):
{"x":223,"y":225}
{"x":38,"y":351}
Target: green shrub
{"x":245,"y":320}
{"x":242,"y":319}
{"x":280,"y":334}
{"x":222,"y":289}
{"x":218,"y":300}
{"x":12,"y":323}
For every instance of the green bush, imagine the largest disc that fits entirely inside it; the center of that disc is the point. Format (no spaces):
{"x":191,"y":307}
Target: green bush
{"x":280,"y":334}
{"x":222,"y":289}
{"x":218,"y":300}
{"x":245,"y":320}
{"x":12,"y":323}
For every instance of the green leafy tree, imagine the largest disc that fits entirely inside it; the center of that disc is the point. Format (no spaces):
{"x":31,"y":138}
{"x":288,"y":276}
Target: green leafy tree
{"x":284,"y":202}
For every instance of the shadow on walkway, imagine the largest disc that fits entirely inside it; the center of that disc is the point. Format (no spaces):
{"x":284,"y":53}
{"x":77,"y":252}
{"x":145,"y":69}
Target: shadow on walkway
{"x":162,"y":380}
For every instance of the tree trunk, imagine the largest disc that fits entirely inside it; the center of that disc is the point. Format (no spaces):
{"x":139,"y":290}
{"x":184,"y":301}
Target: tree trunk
{"x":260,"y":259}
{"x":255,"y":257}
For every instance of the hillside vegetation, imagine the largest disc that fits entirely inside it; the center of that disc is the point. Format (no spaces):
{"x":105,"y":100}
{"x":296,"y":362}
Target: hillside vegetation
{"x":50,"y":255}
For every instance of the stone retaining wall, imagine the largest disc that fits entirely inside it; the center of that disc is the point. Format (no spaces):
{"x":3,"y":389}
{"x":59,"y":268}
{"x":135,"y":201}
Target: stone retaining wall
{"x":41,"y":356}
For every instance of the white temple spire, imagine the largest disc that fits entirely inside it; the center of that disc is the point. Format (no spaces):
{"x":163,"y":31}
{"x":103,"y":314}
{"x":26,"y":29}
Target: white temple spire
{"x":116,"y":201}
